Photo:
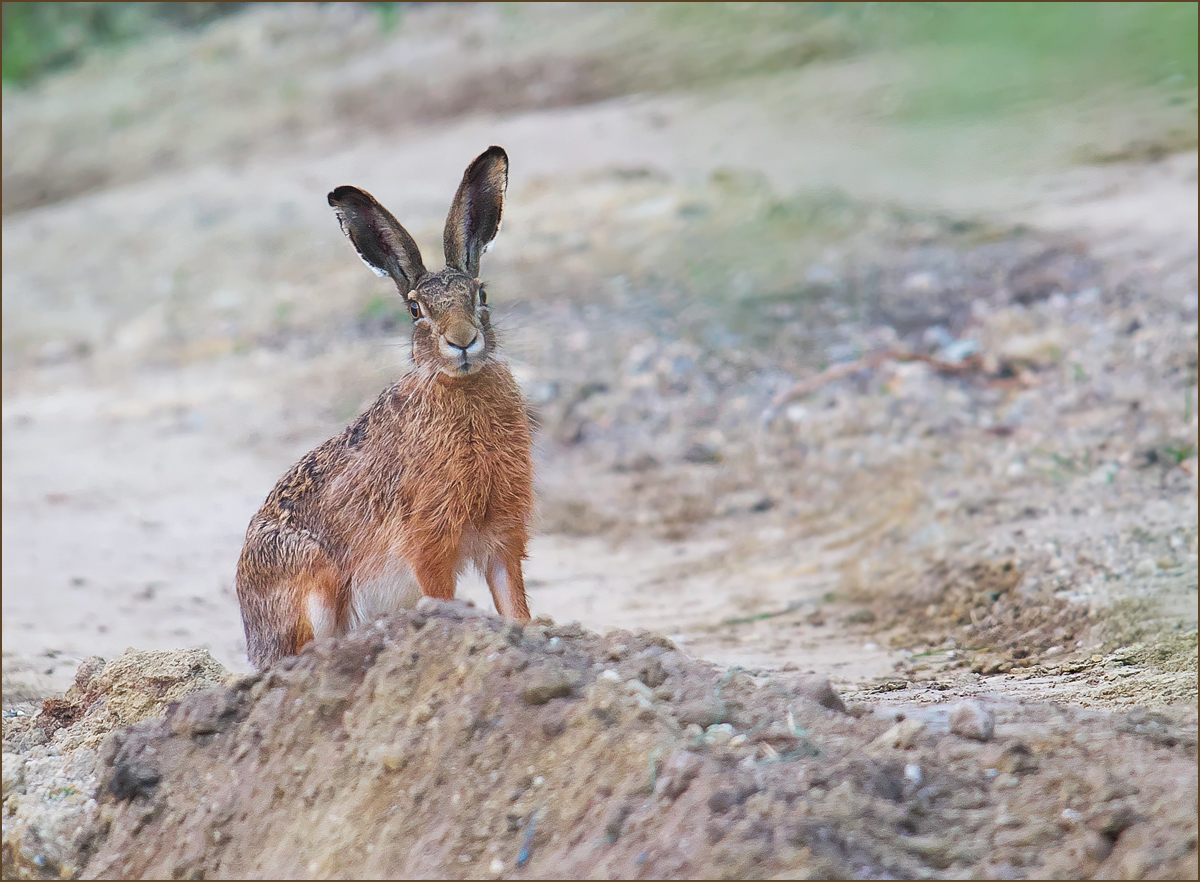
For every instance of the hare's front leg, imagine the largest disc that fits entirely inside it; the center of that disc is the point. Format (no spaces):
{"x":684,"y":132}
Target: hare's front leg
{"x":434,"y":565}
{"x":506,"y":581}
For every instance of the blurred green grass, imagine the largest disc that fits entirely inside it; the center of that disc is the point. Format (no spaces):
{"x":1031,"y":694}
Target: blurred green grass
{"x":951,"y":66}
{"x":40,"y":38}
{"x":982,"y":55}
{"x":984,"y":58}
{"x":970,"y":58}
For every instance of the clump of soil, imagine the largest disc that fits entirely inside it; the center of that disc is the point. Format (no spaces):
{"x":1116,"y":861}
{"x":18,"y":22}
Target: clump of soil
{"x":981,"y":614}
{"x":446,"y":742}
{"x":51,"y":817}
{"x":131,"y":688}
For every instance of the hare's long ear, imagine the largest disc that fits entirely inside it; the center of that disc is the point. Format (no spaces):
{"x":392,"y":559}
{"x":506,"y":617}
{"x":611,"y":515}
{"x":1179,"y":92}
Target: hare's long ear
{"x":474,"y":216}
{"x":384,"y":245}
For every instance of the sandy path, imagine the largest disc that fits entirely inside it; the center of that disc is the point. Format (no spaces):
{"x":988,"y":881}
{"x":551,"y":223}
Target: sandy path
{"x":126,"y":492}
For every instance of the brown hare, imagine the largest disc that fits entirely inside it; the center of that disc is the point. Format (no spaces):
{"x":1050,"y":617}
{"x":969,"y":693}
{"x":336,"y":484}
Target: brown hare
{"x":437,"y":475}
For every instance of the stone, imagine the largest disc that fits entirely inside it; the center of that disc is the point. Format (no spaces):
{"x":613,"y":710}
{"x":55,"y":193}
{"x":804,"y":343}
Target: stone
{"x":547,"y":682}
{"x":678,"y":772}
{"x":970,"y":719}
{"x":86,"y":673}
{"x":1037,"y":349}
{"x":818,"y":689}
{"x":14,"y":773}
{"x":1017,"y":759}
{"x":719,"y":733}
{"x":702,"y":712}
{"x":901,"y":736}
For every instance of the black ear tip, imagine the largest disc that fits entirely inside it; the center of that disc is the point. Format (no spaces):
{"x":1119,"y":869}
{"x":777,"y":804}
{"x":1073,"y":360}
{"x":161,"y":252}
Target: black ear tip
{"x":344,"y":193}
{"x":495,"y":152}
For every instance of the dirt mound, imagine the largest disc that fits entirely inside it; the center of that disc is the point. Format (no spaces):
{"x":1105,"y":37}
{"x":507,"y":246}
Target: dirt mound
{"x":445,"y":742}
{"x":51,"y":817}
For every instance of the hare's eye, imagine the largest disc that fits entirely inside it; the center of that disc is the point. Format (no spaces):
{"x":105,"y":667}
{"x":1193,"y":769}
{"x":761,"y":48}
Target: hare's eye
{"x":414,"y":309}
{"x":482,"y":296}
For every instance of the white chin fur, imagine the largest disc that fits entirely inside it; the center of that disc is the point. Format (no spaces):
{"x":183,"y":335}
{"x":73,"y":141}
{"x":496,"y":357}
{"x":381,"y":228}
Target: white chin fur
{"x":452,"y":354}
{"x":457,"y":369}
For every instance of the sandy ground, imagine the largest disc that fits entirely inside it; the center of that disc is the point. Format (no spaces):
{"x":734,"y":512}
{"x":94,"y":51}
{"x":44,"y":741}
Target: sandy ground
{"x":444,"y":743}
{"x":176,"y":337}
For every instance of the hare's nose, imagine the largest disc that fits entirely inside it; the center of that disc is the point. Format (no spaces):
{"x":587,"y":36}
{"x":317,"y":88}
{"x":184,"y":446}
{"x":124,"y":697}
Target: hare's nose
{"x":462,"y":337}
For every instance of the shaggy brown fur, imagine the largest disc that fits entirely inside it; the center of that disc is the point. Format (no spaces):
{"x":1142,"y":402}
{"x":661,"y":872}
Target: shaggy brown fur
{"x":436,"y":476}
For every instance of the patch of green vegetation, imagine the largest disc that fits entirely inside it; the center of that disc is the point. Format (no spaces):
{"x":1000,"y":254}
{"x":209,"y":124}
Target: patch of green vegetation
{"x":748,"y":245}
{"x":43,"y":37}
{"x":965,"y":59}
{"x":982,"y":58}
{"x":381,"y":314}
{"x":698,"y":43}
{"x":388,"y":15}
{"x":791,"y":607}
{"x":1178,"y":454}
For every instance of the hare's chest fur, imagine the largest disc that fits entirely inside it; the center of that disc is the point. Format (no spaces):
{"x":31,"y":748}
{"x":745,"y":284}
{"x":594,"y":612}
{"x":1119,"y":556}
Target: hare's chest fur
{"x":470,"y":461}
{"x":459,"y":485}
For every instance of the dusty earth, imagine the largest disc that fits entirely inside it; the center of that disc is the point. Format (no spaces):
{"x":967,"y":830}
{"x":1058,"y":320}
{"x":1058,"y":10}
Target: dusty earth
{"x":447,"y":743}
{"x":689,"y":235}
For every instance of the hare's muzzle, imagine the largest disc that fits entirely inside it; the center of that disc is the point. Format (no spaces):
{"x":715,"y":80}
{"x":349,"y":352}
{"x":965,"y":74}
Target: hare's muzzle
{"x":462,"y":335}
{"x":462,"y":344}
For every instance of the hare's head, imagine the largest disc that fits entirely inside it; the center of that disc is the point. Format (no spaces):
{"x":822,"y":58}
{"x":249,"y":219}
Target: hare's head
{"x":452,"y":330}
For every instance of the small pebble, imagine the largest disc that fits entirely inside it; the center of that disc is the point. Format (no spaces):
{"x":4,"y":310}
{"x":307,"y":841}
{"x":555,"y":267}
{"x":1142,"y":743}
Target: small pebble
{"x":428,"y":604}
{"x":901,"y":736}
{"x":678,"y":772}
{"x":818,"y":689}
{"x":719,"y":733}
{"x":546,"y":684}
{"x":637,"y":687}
{"x":496,"y":867}
{"x":701,"y":712}
{"x":970,"y":719}
{"x":913,"y":773}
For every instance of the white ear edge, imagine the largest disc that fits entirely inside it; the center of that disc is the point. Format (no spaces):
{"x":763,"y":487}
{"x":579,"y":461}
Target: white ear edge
{"x":499,"y":226}
{"x":376,"y":270}
{"x":345,"y":226}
